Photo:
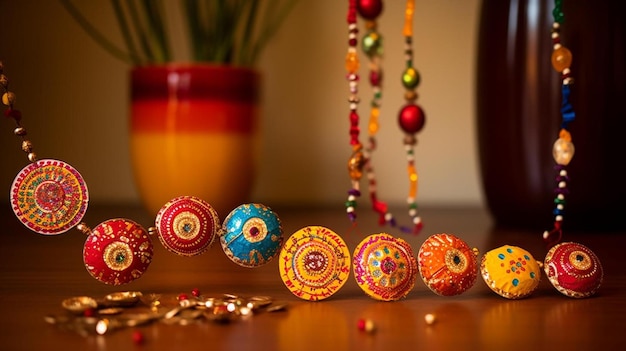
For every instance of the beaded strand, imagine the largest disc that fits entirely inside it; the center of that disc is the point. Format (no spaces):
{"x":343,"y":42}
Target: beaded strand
{"x":563,"y":148}
{"x":372,"y":45}
{"x":8,"y":99}
{"x":411,"y":117}
{"x":357,"y":159}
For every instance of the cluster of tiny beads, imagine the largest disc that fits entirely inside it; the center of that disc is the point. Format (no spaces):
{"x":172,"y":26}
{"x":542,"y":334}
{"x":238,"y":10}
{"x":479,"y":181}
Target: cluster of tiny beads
{"x":563,"y":148}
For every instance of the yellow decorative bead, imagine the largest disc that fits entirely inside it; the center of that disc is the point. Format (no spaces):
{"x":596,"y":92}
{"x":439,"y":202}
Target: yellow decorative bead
{"x":561,"y":59}
{"x":373,"y":123}
{"x":352,"y":62}
{"x":8,"y":98}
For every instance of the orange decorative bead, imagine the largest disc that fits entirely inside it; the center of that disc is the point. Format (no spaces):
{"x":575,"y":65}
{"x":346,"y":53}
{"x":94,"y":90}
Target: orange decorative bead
{"x":355,"y":165}
{"x":561,"y":59}
{"x":352,"y":62}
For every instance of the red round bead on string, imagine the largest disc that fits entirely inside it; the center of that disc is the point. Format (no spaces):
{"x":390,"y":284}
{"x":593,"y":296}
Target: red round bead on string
{"x":370,"y":9}
{"x":411,"y":119}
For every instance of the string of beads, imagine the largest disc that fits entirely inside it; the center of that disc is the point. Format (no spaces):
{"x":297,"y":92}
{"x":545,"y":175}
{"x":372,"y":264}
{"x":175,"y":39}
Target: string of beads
{"x":563,"y":148}
{"x":411,"y":117}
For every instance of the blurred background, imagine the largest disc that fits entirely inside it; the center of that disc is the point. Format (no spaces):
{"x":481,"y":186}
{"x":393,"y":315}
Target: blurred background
{"x":74,"y":97}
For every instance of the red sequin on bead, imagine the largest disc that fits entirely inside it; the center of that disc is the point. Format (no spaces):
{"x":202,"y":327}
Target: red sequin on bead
{"x":411,"y":118}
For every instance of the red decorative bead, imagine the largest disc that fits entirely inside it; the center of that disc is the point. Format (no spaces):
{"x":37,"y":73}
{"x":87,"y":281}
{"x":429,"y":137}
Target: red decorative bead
{"x":376,"y":78}
{"x":411,"y":118}
{"x":361,"y":324}
{"x":354,"y":118}
{"x":90,"y":312}
{"x":573,"y":269}
{"x":195,"y":292}
{"x":369,"y":9}
{"x":138,"y":337}
{"x":13,"y":113}
{"x":182,"y":297}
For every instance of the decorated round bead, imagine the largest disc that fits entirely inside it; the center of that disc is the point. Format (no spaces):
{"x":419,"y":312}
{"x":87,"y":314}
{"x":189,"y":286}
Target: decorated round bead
{"x":117,"y":251}
{"x":372,"y":43}
{"x":510,"y":271}
{"x":561,"y":59}
{"x":252,"y":235}
{"x":384,"y":267}
{"x":573,"y":269}
{"x":187,"y":225}
{"x":411,"y":118}
{"x":447,"y":265}
{"x":314,"y":263}
{"x":49,"y":196}
{"x":369,"y":9}
{"x":563,"y":151}
{"x":411,"y":78}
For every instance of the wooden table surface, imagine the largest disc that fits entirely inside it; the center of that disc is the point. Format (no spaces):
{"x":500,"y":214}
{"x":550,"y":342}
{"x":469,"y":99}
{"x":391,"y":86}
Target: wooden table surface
{"x":38,"y":272}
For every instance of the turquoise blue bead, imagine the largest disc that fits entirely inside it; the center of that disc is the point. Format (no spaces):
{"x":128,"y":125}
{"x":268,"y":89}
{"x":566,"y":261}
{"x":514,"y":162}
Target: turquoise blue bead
{"x":252,"y":235}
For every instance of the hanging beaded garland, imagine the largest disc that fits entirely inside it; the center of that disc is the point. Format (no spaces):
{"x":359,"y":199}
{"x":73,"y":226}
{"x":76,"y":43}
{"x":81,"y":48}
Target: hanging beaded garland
{"x":50,"y":197}
{"x":411,"y":117}
{"x":563,"y":148}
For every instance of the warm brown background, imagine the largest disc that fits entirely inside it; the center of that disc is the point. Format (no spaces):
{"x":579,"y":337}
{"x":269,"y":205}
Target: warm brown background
{"x":74,"y":98}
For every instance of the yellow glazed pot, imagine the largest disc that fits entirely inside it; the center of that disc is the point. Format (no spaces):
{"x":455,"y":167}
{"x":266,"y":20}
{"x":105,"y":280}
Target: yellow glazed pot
{"x":193,"y":132}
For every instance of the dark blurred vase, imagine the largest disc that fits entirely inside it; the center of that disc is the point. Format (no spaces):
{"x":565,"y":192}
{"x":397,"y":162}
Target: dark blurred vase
{"x":518,"y":112}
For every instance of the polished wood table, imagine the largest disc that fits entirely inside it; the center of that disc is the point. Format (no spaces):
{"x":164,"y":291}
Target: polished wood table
{"x":38,"y":272}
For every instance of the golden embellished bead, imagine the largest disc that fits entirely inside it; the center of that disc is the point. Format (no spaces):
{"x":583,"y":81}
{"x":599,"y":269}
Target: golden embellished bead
{"x":19,"y":131}
{"x":355,"y":165}
{"x":27,"y":146}
{"x":410,"y":95}
{"x":564,"y":134}
{"x":8,"y":98}
{"x":563,"y":151}
{"x":561,"y":59}
{"x":409,"y":139}
{"x":4,"y":81}
{"x":83,"y":228}
{"x":32,"y":157}
{"x":352,"y":62}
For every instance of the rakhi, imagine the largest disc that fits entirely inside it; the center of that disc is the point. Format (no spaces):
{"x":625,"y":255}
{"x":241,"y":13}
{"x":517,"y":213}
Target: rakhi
{"x":411,"y":117}
{"x":50,"y":197}
{"x":563,"y":148}
{"x":315,"y":263}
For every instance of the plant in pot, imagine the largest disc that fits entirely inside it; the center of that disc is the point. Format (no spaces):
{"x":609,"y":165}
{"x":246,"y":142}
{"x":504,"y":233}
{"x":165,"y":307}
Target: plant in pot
{"x":193,"y":121}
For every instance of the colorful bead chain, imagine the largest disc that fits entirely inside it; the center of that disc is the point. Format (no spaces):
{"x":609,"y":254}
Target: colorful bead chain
{"x":357,"y":159}
{"x":411,"y":118}
{"x":372,"y":45}
{"x":563,"y":148}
